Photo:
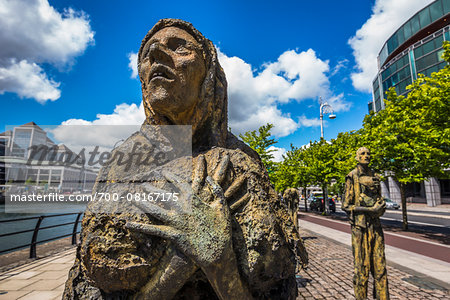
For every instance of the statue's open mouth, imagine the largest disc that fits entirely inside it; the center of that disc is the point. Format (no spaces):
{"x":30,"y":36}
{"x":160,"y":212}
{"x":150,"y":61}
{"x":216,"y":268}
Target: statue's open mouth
{"x":159,"y":71}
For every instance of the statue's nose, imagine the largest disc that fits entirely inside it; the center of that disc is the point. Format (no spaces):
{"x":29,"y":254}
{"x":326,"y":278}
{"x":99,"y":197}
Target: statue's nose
{"x":158,"y":53}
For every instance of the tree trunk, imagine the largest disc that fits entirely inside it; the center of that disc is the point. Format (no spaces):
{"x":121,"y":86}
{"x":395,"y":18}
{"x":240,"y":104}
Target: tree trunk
{"x":326,"y":205}
{"x":404,"y":214}
{"x":304,"y":197}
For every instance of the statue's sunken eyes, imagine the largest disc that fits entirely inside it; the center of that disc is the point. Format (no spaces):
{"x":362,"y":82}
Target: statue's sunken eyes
{"x":175,"y":45}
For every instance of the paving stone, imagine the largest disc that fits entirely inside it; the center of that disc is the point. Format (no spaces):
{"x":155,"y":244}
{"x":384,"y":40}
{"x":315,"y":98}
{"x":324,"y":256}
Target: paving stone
{"x":15,"y":285}
{"x":52,"y":274}
{"x":55,"y":267}
{"x":12,"y":295}
{"x":24,"y":275}
{"x":40,"y":295}
{"x":42,"y":285}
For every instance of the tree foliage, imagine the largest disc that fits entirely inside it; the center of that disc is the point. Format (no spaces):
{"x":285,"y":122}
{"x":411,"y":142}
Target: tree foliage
{"x":260,"y":141}
{"x":293,"y":171}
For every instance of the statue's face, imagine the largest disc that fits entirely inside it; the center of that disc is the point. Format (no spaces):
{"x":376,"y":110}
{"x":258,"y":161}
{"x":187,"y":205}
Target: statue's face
{"x":363,"y":156}
{"x":173,"y":70}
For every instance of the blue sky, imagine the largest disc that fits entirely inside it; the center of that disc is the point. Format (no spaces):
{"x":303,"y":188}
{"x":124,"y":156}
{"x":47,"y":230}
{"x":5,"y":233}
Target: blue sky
{"x":68,"y":62}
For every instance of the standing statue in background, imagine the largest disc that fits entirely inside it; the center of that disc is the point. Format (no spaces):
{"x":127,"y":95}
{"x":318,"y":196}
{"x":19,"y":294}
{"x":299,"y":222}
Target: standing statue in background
{"x":364,"y":206}
{"x":291,"y":198}
{"x":236,"y":241}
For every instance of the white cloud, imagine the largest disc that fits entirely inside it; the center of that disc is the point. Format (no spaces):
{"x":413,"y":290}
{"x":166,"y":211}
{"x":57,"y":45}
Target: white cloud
{"x":387,"y":16}
{"x":124,"y":114}
{"x":277,"y":154}
{"x":253,"y":97}
{"x":305,"y":122}
{"x":341,"y":65}
{"x":28,"y":80}
{"x":338,"y":103}
{"x":132,"y":57}
{"x":104,"y":131}
{"x":33,"y":33}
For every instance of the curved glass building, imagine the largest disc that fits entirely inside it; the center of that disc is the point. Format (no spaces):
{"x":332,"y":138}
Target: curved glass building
{"x":416,"y":47}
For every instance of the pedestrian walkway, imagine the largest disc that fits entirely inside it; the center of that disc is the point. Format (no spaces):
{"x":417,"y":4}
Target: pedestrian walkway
{"x":42,"y":279}
{"x":330,"y":273}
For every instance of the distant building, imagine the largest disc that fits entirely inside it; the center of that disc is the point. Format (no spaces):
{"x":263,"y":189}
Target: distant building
{"x":17,"y":167}
{"x":416,"y":47}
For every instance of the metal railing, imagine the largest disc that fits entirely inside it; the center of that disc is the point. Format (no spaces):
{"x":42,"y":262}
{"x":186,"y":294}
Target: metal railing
{"x":38,"y":227}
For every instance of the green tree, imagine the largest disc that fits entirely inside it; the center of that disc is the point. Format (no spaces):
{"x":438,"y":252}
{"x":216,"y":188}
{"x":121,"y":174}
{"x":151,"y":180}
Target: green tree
{"x":321,"y":167}
{"x":259,"y":140}
{"x":410,"y":138}
{"x":293,"y":171}
{"x":344,"y":153}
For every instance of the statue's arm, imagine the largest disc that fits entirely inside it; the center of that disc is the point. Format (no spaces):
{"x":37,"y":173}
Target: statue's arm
{"x":348,"y":204}
{"x":167,"y":281}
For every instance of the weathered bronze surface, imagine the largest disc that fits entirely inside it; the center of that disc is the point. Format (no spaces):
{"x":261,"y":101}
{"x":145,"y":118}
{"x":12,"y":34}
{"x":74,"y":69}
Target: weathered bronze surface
{"x":291,"y":197}
{"x":236,"y":241}
{"x":364,"y":206}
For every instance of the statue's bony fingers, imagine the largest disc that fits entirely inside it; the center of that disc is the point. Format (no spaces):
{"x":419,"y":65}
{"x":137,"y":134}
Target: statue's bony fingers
{"x":148,"y":188}
{"x":155,"y":211}
{"x":165,"y":232}
{"x":184,"y":188}
{"x":216,"y":190}
{"x":234,"y":187}
{"x":199,"y":174}
{"x":236,"y":205}
{"x":221,"y":171}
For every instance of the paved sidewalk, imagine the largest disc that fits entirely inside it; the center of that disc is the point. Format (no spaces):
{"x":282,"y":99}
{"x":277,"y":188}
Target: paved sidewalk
{"x":40,"y":280}
{"x":330,"y":274}
{"x":423,"y":207}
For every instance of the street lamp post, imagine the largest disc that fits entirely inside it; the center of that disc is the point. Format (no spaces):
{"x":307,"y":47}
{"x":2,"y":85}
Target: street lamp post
{"x":325,"y":108}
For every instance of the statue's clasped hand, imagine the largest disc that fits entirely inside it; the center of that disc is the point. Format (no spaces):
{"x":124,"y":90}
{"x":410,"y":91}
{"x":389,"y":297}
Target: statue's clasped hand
{"x":377,"y":209}
{"x":203,"y":231}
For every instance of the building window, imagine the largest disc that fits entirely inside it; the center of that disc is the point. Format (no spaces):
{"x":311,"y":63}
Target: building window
{"x":413,"y":189}
{"x":377,"y":105}
{"x":424,"y":17}
{"x":446,"y":7}
{"x":427,"y":61}
{"x":445,"y":187}
{"x":436,"y":11}
{"x":21,"y":142}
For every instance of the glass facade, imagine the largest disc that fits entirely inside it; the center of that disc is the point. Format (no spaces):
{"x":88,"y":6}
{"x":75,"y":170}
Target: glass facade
{"x":21,"y":142}
{"x":422,"y":19}
{"x":424,"y":56}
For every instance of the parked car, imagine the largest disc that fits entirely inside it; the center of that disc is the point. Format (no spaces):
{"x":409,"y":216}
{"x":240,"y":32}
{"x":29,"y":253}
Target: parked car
{"x":391,"y":204}
{"x":317,"y":204}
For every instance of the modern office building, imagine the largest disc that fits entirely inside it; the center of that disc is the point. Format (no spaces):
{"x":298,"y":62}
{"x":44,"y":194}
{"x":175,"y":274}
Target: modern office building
{"x":41,"y":173}
{"x":416,"y":47}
